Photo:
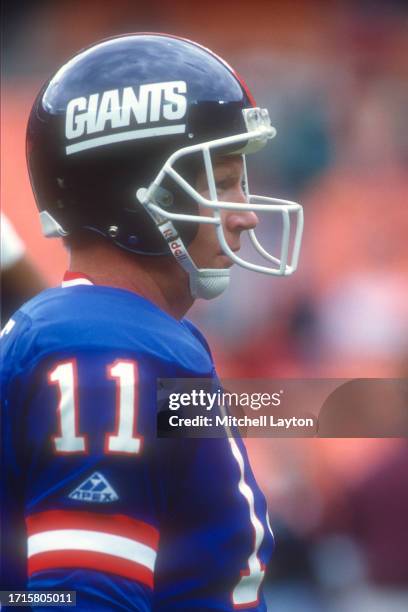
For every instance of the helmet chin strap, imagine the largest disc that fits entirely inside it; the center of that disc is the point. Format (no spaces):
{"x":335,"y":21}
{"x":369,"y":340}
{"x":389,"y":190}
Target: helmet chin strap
{"x":205,"y":283}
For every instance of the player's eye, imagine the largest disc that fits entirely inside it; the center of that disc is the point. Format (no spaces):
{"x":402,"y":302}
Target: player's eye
{"x":223,"y":185}
{"x":229,"y":182}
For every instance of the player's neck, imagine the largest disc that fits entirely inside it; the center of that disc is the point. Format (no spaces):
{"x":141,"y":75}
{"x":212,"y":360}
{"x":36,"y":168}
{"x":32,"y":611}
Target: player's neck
{"x":158,"y":279}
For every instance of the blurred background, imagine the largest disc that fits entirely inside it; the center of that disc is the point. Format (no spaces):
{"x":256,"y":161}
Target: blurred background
{"x":334,"y":76}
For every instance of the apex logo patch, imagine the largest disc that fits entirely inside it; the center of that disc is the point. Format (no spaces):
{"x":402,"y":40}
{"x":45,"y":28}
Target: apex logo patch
{"x":95,"y":489}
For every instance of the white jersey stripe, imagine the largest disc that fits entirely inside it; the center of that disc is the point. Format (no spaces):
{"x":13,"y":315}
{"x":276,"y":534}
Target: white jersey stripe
{"x":92,"y":541}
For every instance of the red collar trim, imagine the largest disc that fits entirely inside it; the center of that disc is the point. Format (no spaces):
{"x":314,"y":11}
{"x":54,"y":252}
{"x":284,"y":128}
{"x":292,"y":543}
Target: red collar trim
{"x":71,"y":279}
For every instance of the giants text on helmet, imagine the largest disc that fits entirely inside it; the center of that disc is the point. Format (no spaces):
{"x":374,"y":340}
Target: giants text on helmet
{"x":118,"y":108}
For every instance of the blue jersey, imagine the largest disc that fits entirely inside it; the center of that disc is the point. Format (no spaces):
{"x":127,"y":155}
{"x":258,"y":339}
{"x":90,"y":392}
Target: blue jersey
{"x":93,"y":500}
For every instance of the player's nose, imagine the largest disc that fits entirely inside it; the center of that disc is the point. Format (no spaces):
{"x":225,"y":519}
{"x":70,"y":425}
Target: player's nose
{"x":239,"y":220}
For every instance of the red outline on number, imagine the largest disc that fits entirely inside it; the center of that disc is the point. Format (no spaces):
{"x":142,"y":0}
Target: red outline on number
{"x":115,"y":432}
{"x":73,"y":363}
{"x":255,"y":602}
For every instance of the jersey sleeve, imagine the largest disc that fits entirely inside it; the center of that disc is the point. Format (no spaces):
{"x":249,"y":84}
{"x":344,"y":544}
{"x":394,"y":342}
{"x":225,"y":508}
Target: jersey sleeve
{"x":80,"y":452}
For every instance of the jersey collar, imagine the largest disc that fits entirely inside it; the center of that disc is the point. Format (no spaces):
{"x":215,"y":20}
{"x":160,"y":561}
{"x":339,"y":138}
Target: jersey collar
{"x":71,"y":279}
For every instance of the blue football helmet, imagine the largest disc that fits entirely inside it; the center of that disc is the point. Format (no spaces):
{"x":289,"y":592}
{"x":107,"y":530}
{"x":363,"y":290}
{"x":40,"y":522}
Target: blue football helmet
{"x":115,"y":139}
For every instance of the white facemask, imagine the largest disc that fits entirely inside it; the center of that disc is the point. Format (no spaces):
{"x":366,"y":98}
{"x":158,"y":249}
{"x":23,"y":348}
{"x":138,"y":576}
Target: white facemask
{"x":209,"y":283}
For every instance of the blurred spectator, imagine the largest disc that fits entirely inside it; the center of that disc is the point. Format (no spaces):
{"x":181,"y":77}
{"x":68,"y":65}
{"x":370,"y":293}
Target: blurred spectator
{"x":20,"y":280}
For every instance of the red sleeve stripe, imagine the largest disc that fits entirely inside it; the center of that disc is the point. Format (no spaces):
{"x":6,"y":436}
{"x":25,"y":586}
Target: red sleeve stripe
{"x":90,"y":560}
{"x":114,"y":524}
{"x":92,"y":549}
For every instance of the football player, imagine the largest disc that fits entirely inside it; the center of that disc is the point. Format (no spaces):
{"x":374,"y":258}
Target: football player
{"x":135,"y":150}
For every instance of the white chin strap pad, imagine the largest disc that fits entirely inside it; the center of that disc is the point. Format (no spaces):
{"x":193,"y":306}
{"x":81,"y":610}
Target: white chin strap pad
{"x":208,"y":284}
{"x":205,"y":283}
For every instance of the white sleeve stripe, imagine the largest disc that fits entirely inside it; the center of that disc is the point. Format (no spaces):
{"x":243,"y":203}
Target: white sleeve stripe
{"x":92,"y":541}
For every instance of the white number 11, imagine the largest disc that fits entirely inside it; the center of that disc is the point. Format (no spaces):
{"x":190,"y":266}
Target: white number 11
{"x":124,"y":439}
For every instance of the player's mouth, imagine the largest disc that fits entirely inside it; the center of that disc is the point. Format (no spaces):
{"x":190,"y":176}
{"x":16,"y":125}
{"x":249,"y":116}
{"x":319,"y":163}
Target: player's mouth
{"x":226,"y":259}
